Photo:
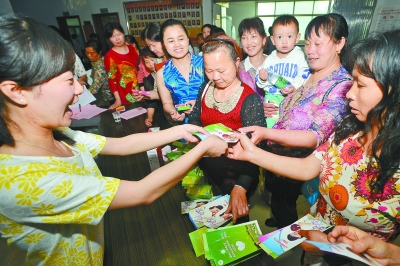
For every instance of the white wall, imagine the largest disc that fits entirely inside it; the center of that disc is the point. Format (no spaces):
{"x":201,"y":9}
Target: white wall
{"x":239,"y":11}
{"x":5,"y":7}
{"x":46,"y":11}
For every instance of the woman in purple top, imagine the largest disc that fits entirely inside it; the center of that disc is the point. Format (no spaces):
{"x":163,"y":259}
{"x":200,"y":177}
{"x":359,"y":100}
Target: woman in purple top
{"x":310,"y":114}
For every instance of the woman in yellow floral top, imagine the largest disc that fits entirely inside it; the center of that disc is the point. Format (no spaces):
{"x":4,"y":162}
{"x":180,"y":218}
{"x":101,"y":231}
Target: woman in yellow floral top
{"x":53,"y":194}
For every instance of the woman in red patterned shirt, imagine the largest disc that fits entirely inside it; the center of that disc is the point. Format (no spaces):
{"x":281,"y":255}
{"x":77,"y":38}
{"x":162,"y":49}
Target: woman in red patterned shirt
{"x":121,"y":65}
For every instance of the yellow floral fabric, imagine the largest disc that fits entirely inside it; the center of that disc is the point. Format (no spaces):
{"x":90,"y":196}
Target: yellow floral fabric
{"x":53,"y":206}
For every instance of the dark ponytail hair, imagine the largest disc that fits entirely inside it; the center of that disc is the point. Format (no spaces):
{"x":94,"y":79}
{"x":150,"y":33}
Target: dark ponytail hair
{"x":31,"y":53}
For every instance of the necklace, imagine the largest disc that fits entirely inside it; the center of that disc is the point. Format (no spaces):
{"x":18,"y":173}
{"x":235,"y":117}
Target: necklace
{"x":31,"y":144}
{"x":223,"y":107}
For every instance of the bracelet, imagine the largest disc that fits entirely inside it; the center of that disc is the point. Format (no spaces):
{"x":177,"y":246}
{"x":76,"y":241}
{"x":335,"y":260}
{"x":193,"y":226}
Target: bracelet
{"x":240,"y":186}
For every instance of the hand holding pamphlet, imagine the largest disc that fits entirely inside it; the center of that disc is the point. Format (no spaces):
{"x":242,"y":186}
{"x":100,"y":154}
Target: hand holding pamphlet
{"x":219,"y":130}
{"x":344,"y":250}
{"x":278,"y":242}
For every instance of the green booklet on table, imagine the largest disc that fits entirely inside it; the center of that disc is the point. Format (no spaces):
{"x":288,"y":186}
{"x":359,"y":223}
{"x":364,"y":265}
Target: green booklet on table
{"x":232,"y":245}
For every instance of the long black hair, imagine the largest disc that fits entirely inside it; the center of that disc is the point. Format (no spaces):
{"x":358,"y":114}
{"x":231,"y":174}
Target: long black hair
{"x":378,"y":57}
{"x":31,"y":53}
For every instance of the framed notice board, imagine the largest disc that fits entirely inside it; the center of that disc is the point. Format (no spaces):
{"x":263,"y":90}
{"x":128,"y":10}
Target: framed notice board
{"x":139,"y":14}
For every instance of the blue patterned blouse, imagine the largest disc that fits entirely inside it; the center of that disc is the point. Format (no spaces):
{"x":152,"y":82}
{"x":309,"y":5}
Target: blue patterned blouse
{"x":182,"y":91}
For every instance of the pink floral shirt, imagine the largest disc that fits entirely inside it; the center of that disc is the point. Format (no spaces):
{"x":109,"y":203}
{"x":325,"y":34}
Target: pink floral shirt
{"x":318,"y":107}
{"x":346,"y":197}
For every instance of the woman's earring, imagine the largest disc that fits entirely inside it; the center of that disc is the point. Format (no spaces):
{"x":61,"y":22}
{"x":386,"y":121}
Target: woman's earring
{"x":338,"y":52}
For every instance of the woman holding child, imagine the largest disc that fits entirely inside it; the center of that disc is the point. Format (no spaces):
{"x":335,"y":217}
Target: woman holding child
{"x":310,"y":114}
{"x":54,"y":196}
{"x":225,"y":99}
{"x":358,"y":166}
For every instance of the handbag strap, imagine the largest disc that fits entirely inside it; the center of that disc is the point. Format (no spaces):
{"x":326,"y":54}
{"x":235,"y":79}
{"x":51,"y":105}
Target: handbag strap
{"x":333,"y":86}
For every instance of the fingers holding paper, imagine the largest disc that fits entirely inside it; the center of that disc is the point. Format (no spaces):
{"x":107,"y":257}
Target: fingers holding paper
{"x":242,"y":150}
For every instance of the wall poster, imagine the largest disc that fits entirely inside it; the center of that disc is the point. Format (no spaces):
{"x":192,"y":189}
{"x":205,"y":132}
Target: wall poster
{"x":139,"y":14}
{"x":386,"y":16}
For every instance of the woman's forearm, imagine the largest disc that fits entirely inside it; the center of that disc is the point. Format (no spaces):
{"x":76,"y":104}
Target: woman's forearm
{"x":140,"y":142}
{"x":150,"y":188}
{"x":294,"y":168}
{"x":292,"y":138}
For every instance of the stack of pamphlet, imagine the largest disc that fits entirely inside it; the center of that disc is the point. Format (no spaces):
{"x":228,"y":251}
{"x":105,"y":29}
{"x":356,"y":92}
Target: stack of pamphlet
{"x":187,"y":206}
{"x":194,"y":177}
{"x":212,"y":214}
{"x":199,"y":192}
{"x":228,"y":245}
{"x":232,"y":245}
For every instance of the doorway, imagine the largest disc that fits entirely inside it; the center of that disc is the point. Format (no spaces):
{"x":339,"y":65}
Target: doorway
{"x":99,"y":21}
{"x":70,"y":25}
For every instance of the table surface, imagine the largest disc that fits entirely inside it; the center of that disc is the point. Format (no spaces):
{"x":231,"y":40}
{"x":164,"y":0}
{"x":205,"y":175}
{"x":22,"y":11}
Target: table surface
{"x":155,"y":234}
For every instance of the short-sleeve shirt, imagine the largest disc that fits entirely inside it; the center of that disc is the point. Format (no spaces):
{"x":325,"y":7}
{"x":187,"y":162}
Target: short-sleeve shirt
{"x":122,"y":72}
{"x":53,"y":207}
{"x":181,"y":90}
{"x":346,"y":198}
{"x":318,"y":107}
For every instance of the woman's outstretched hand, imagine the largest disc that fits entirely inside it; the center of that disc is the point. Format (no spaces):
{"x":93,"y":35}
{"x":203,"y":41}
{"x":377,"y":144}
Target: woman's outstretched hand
{"x":242,"y":150}
{"x":215,"y":146}
{"x":257,"y":133}
{"x":360,"y":241}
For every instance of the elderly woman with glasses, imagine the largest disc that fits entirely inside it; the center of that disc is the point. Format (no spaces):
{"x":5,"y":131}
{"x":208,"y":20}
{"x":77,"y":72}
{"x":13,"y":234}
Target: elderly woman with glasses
{"x":225,"y":99}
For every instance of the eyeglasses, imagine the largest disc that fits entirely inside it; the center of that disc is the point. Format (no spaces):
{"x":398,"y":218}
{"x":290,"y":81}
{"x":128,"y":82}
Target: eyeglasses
{"x":219,"y":40}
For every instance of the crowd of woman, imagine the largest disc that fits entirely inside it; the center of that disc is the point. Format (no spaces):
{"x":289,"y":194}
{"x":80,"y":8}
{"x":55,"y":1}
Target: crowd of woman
{"x":339,"y":124}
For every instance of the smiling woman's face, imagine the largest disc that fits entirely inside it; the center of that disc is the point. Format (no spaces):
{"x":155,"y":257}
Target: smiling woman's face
{"x":176,"y":41}
{"x":252,"y":42}
{"x":321,"y":51}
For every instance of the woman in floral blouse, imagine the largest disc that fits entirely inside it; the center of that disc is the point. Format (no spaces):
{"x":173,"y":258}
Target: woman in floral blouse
{"x":358,"y":166}
{"x":309,"y":115}
{"x":93,"y":51}
{"x":53,"y":195}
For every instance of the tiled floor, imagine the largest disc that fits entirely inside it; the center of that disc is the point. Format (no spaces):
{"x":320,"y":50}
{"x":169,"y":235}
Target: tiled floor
{"x":260,"y":211}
